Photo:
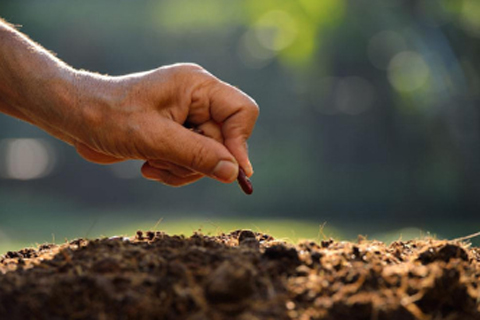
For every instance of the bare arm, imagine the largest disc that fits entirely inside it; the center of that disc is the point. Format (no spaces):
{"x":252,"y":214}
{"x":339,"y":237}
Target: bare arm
{"x":136,"y":116}
{"x":34,"y":85}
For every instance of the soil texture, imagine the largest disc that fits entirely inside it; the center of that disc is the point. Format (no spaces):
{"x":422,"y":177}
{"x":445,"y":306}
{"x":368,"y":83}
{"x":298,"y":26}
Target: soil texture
{"x":242,"y":275}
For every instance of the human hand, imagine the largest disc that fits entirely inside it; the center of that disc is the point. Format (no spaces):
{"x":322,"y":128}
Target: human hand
{"x":138,"y":116}
{"x":144,"y":116}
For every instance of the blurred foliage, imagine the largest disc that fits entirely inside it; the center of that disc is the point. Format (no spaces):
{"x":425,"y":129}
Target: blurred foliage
{"x":369,"y":108}
{"x":292,"y":28}
{"x":287,"y":29}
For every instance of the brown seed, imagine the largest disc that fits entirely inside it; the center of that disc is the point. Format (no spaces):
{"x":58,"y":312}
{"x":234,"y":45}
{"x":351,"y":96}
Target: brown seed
{"x":242,"y":178}
{"x":244,"y":182}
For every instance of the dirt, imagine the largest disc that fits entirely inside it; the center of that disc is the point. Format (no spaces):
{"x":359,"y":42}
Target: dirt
{"x":241,"y":275}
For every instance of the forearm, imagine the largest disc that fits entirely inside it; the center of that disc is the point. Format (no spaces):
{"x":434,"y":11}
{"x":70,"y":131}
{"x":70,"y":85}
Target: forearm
{"x":34,"y":85}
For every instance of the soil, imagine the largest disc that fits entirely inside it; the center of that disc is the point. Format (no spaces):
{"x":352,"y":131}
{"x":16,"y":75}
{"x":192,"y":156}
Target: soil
{"x":241,"y":275}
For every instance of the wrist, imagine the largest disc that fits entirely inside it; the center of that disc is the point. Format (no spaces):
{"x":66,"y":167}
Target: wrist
{"x":98,"y":106}
{"x":87,"y":100}
{"x":50,"y":101}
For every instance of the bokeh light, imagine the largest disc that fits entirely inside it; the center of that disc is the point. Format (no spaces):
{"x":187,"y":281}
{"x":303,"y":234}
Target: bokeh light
{"x":252,"y":53}
{"x":408,"y":71}
{"x":26,"y":159}
{"x":276,"y":30}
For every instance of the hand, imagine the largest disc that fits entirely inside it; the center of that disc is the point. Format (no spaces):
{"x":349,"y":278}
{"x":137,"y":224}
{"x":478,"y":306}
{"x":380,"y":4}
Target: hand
{"x":138,"y":116}
{"x":143,"y":116}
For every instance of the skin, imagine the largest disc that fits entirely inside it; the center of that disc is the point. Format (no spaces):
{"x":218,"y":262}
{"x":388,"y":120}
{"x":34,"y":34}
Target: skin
{"x":137,"y":116}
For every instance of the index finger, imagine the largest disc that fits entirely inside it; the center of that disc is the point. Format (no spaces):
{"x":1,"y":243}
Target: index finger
{"x":237,"y":113}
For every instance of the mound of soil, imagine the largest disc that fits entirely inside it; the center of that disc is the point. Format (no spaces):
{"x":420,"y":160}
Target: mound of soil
{"x":241,"y":275}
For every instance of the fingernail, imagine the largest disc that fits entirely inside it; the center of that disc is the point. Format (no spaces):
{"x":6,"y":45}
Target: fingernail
{"x":248,"y":169}
{"x":226,"y":171}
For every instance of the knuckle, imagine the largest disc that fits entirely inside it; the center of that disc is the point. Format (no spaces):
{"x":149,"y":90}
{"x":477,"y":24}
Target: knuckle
{"x":255,"y":109}
{"x":190,"y":67}
{"x":194,"y":66}
{"x":252,"y":106}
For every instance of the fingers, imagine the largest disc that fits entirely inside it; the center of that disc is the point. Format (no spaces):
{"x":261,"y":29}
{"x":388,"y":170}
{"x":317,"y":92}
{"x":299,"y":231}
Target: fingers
{"x":212,"y":130}
{"x":165,"y":172}
{"x":168,"y":177}
{"x":176,"y":155}
{"x":94,"y":156}
{"x":191,"y":150}
{"x":237,"y":113}
{"x":171,"y":167}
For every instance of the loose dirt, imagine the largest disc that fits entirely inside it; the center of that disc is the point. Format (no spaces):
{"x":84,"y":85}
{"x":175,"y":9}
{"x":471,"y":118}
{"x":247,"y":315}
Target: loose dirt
{"x":242,"y":275}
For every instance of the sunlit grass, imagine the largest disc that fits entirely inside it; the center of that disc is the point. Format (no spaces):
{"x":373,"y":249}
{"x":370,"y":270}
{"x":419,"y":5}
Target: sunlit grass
{"x":285,"y":229}
{"x":62,"y":229}
{"x":46,"y":226}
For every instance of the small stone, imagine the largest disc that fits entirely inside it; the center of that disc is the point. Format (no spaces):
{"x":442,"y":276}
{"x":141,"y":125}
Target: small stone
{"x":246,"y":234}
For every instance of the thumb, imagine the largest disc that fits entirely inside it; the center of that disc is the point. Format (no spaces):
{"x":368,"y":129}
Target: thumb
{"x":199,"y":153}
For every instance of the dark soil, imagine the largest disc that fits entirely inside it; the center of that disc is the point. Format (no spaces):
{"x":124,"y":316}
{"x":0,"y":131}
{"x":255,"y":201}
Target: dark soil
{"x":242,"y":275}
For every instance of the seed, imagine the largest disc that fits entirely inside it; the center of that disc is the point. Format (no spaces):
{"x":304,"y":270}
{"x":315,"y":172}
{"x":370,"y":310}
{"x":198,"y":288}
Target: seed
{"x":242,"y":178}
{"x":244,"y":182}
